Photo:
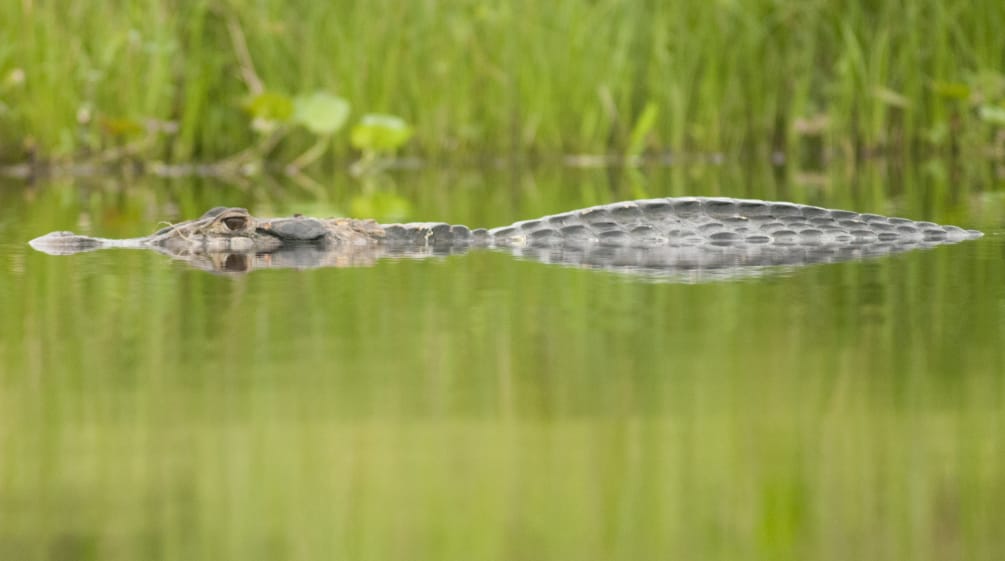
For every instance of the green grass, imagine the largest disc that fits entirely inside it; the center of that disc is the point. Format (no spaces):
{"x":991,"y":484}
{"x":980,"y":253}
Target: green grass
{"x":516,"y":78}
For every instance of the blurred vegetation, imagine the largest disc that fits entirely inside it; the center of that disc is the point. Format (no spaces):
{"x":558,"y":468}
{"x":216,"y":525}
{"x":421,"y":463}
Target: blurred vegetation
{"x":208,"y":80}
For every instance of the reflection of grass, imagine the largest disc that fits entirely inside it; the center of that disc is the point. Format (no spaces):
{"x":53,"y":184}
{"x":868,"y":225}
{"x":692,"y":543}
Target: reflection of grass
{"x":542,"y":77}
{"x":477,"y":409}
{"x":712,"y":486}
{"x":485,"y":408}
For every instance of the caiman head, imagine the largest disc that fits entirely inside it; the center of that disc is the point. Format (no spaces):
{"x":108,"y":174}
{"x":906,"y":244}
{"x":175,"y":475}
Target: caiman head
{"x":219,"y":230}
{"x":222,"y":231}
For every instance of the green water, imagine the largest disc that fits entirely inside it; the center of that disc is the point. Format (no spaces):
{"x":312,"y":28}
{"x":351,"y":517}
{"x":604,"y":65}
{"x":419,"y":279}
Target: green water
{"x":484,"y":407}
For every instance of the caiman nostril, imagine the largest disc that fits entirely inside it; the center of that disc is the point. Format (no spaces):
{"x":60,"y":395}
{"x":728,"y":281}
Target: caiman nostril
{"x":236,"y":222}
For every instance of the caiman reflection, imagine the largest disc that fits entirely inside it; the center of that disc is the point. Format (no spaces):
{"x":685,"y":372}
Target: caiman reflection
{"x":685,"y":238}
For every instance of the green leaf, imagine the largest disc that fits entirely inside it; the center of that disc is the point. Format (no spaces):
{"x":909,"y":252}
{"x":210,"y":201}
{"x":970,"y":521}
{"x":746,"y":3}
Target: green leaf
{"x":380,"y":133}
{"x":321,"y":112}
{"x":993,"y":114}
{"x":120,"y":126}
{"x":380,"y":206}
{"x":643,"y":125}
{"x":951,"y":90}
{"x":890,"y":97}
{"x":269,"y":106}
{"x":938,"y":134}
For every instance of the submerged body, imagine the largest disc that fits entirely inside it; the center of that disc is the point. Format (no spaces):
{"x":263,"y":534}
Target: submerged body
{"x":675,"y":230}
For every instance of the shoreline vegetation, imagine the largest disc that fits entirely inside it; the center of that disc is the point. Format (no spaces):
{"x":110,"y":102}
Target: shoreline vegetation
{"x":222,"y":87}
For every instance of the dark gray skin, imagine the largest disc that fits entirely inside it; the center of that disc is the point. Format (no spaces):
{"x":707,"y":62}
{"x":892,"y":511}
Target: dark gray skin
{"x":663,"y":237}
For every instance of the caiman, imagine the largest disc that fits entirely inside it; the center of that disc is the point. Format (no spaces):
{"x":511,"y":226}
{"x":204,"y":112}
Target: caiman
{"x":666,"y":237}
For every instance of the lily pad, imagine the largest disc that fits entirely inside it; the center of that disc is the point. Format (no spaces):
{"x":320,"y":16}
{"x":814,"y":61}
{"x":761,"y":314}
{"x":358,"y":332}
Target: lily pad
{"x":380,"y":133}
{"x":321,"y":112}
{"x":993,"y":114}
{"x":270,"y":106}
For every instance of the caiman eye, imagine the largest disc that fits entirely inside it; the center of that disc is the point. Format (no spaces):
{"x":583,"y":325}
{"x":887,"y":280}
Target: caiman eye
{"x":236,"y":222}
{"x":236,"y":263}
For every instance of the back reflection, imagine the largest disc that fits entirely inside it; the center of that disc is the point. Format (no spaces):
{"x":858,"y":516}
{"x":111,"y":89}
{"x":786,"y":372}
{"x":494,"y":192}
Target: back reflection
{"x":673,"y":238}
{"x":707,"y":262}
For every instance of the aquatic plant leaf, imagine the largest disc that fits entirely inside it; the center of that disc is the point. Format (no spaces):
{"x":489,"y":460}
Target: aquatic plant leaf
{"x":120,"y":126}
{"x":643,"y":125}
{"x":938,"y":134}
{"x":891,"y":97}
{"x":381,"y":206}
{"x":270,"y":106}
{"x":993,"y":114}
{"x":320,"y":112}
{"x":951,"y":90}
{"x":380,"y":133}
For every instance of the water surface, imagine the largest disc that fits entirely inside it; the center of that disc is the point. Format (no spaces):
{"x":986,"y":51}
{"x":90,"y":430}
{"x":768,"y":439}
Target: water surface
{"x":486,"y":407}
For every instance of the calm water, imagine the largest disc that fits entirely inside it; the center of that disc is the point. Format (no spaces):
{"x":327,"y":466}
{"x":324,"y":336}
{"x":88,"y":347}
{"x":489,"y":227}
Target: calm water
{"x":484,"y":407}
